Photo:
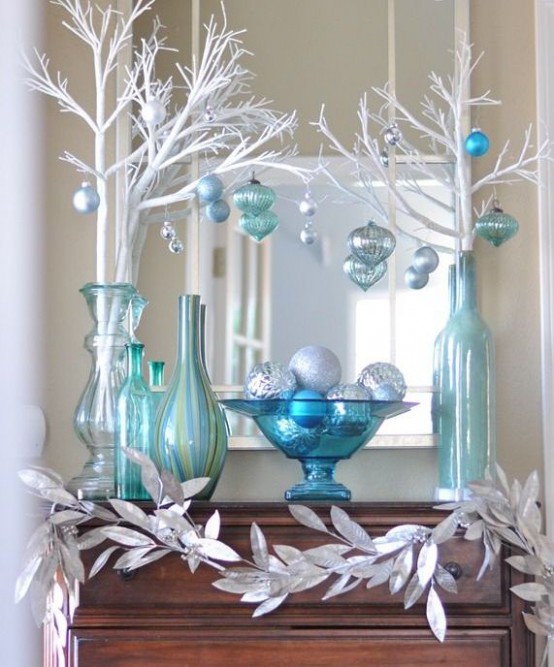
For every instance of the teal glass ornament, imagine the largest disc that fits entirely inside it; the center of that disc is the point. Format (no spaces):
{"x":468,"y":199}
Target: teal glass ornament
{"x":464,"y":405}
{"x":496,"y":227}
{"x":254,"y":198}
{"x":476,"y":143}
{"x":134,"y":427}
{"x":371,"y":244}
{"x":191,"y":432}
{"x":361,"y":274}
{"x":259,"y":226}
{"x":94,"y":417}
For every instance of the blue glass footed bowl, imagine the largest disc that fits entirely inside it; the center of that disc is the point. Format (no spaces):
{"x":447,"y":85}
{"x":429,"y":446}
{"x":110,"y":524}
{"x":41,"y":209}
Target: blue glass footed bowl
{"x":318,"y":433}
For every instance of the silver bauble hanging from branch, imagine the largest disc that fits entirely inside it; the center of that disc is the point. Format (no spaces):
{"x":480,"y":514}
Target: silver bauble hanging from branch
{"x":86,"y":199}
{"x":371,"y":244}
{"x":425,"y":259}
{"x":308,"y":206}
{"x":361,"y":274}
{"x":496,"y":227}
{"x":392,"y":134}
{"x":414,"y":279}
{"x":308,"y":235}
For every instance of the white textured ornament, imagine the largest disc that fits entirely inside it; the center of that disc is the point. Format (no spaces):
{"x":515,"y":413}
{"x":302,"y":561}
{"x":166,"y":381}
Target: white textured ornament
{"x":86,"y":199}
{"x":316,"y":367}
{"x":269,"y":380}
{"x":153,"y":112}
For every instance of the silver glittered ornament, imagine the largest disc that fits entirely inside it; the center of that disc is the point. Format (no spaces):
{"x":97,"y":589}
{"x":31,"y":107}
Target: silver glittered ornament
{"x":269,"y":380}
{"x":384,"y":381}
{"x":361,"y":274}
{"x":308,"y":206}
{"x":218,"y":211}
{"x":496,"y":227}
{"x":392,"y":134}
{"x":153,"y":112}
{"x":259,"y":226}
{"x":176,"y":246}
{"x":414,"y":279}
{"x":209,"y":114}
{"x":371,"y":244}
{"x":425,"y":259}
{"x":348,"y":392}
{"x":308,"y":235}
{"x":316,"y":367}
{"x":167,"y":232}
{"x":209,"y":188}
{"x":86,"y":199}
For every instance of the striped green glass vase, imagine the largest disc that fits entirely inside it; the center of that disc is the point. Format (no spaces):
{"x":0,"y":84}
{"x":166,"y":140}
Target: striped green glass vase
{"x":191,"y":434}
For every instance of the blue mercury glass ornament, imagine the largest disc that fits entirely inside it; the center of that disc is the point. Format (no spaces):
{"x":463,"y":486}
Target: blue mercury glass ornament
{"x":476,"y":143}
{"x":425,"y":259}
{"x":254,"y":198}
{"x":259,"y":226}
{"x":307,"y":408}
{"x":496,"y":227}
{"x":209,"y":188}
{"x":371,"y":244}
{"x":134,"y":427}
{"x":361,"y":274}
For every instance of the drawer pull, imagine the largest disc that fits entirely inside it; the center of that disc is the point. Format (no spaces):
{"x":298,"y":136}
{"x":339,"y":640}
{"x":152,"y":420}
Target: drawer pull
{"x":453,"y":568}
{"x":126,"y":575}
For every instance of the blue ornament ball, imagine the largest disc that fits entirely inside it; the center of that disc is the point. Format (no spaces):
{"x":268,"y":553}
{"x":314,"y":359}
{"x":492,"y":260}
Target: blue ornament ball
{"x":414,"y":279}
{"x":209,"y":188}
{"x":307,"y":408}
{"x":476,"y":143}
{"x":425,"y":259}
{"x":86,"y":199}
{"x":218,"y":211}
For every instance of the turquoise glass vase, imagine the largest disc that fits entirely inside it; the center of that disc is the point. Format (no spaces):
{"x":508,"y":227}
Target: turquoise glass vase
{"x":464,"y":405}
{"x":191,"y":433}
{"x":94,"y":417}
{"x":134,"y":427}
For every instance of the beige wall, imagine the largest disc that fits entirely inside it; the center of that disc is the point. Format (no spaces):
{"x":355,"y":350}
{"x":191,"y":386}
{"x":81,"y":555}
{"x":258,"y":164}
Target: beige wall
{"x":508,"y":276}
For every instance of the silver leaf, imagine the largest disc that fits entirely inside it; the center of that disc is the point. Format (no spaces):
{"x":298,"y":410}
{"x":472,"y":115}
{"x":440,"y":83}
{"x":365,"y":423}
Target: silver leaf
{"x":515,"y":493}
{"x":351,"y":530}
{"x":149,"y":475}
{"x":259,"y":547}
{"x":67,"y":517}
{"x":99,"y":512}
{"x":488,"y":560}
{"x":501,"y":476}
{"x":327,"y":556}
{"x":303,"y":583}
{"x":217,"y":550}
{"x":126,"y":536}
{"x":435,"y":615}
{"x":361,"y":566}
{"x":381,"y":573}
{"x":446,"y":529}
{"x":269,"y":605}
{"x":61,"y":624}
{"x":426,"y":562}
{"x":531,"y":591}
{"x":26,"y":577}
{"x":237,"y":586}
{"x":92,"y":538}
{"x":101,"y":561}
{"x":172,"y":488}
{"x":407,"y":532}
{"x":535,"y":626}
{"x":41,"y":587}
{"x":129,"y":558}
{"x":414,"y":590}
{"x":166,"y":518}
{"x":510,"y":536}
{"x":72,"y":563}
{"x":40,"y":478}
{"x":342,"y":585}
{"x":150,"y":558}
{"x":59,"y":496}
{"x":213,"y":525}
{"x":445,"y":580}
{"x":475,"y":530}
{"x":529,"y":493}
{"x":289,"y":555}
{"x":307,"y":517}
{"x":275,"y":565}
{"x":526,"y":564}
{"x":130,"y":513}
{"x":401,"y":570}
{"x":254,"y":596}
{"x":194,"y":486}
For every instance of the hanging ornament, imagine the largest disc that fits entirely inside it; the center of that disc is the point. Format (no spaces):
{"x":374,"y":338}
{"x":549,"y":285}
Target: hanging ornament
{"x":259,"y":226}
{"x":209,"y":114}
{"x":167,"y":232}
{"x":371,"y":244}
{"x":425,"y":259}
{"x":308,"y":235}
{"x":153,"y":112}
{"x":209,"y":188}
{"x":414,"y":279}
{"x":476,"y":143}
{"x":308,"y":206}
{"x":218,"y":211}
{"x":86,"y":199}
{"x":384,"y":157}
{"x":496,"y":227}
{"x":361,"y":274}
{"x":176,"y":246}
{"x":392,"y":134}
{"x":254,"y":198}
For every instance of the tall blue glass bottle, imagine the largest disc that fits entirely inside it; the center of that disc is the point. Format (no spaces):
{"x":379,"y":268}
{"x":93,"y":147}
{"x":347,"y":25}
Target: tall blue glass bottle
{"x":134,"y":427}
{"x":464,"y":406}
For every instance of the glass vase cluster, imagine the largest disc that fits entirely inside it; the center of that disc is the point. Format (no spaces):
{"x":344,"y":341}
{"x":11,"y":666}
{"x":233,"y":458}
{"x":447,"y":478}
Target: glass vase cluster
{"x":191,"y":432}
{"x":464,"y":380}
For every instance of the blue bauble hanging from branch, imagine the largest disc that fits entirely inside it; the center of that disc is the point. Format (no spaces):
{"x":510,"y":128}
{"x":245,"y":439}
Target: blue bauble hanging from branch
{"x":209,"y":188}
{"x":477,"y":143}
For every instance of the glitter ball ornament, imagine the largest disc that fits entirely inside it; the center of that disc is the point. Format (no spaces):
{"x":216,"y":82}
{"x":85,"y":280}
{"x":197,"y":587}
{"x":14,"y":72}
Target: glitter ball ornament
{"x":308,"y":235}
{"x":209,"y":188}
{"x":86,"y":199}
{"x":476,"y":143}
{"x":348,"y":392}
{"x":383,"y":381}
{"x":361,"y":274}
{"x":259,"y":226}
{"x":254,"y":198}
{"x":308,"y":206}
{"x":496,"y":227}
{"x":414,"y":279}
{"x":176,"y":246}
{"x":392,"y":134}
{"x":371,"y":244}
{"x":425,"y":259}
{"x":269,"y":380}
{"x":218,"y":211}
{"x":306,"y":408}
{"x":315,"y":367}
{"x":153,"y":112}
{"x":167,"y":232}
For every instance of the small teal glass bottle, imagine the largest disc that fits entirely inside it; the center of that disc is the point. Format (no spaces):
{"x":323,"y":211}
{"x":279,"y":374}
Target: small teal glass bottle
{"x":464,"y":409}
{"x":156,"y":370}
{"x":134,"y":427}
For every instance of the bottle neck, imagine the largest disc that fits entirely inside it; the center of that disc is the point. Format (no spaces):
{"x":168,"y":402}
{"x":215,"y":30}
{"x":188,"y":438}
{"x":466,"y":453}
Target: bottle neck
{"x":135,"y":353}
{"x":189,"y":320}
{"x":156,"y":371}
{"x":466,"y":290}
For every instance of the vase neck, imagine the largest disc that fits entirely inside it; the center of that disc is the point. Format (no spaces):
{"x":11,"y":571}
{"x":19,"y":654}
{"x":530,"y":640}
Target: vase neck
{"x":189,"y":322}
{"x":135,"y":353}
{"x":466,"y":289}
{"x":156,"y":369}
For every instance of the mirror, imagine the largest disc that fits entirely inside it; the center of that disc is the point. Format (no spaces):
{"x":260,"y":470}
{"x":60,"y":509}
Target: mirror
{"x":305,"y":54}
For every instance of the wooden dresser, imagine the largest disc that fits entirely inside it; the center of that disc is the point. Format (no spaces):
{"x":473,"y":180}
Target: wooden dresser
{"x":164,"y":616}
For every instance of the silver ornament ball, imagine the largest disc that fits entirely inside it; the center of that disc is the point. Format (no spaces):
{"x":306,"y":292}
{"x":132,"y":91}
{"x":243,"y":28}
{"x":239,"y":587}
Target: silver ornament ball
{"x":153,"y":112}
{"x":308,"y":206}
{"x":209,"y":114}
{"x":308,"y":235}
{"x":269,"y":380}
{"x":384,"y":381}
{"x":316,"y":367}
{"x":393,"y":135}
{"x":414,"y":279}
{"x":167,"y":232}
{"x":176,"y":246}
{"x":86,"y":199}
{"x":425,"y":259}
